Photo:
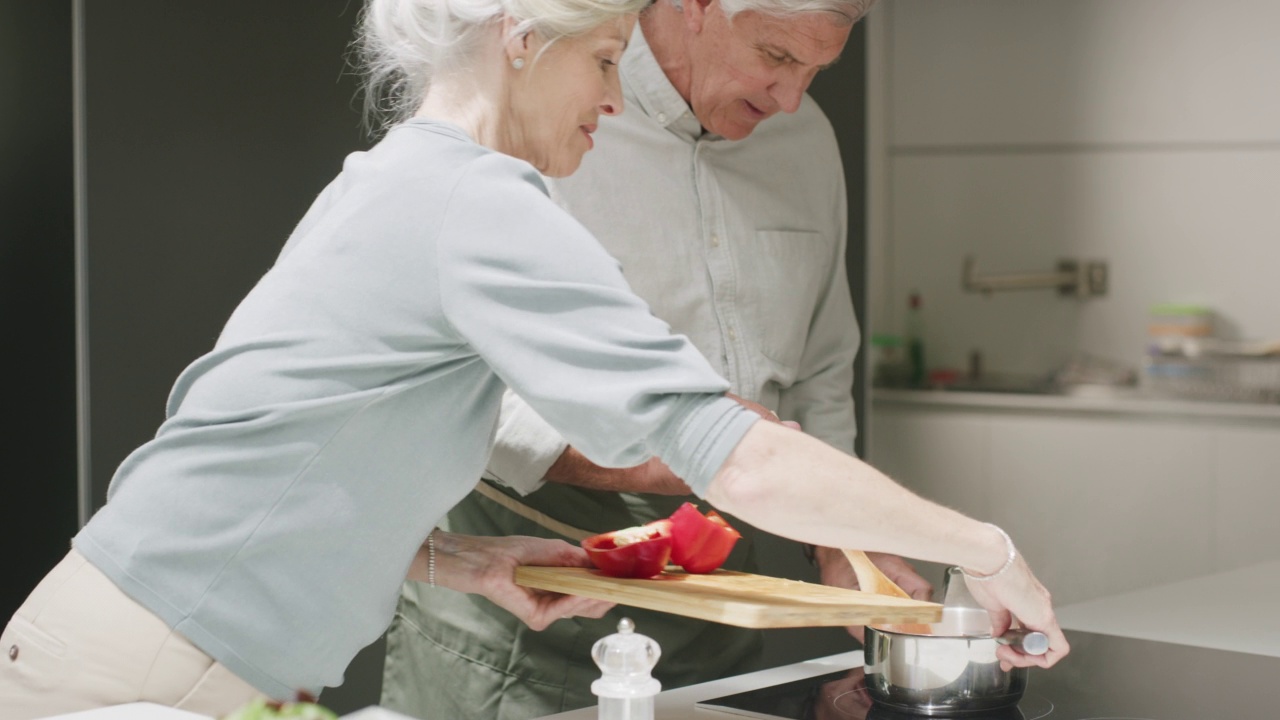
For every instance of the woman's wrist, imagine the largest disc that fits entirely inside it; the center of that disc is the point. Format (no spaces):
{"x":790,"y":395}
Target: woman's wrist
{"x":1010,"y":555}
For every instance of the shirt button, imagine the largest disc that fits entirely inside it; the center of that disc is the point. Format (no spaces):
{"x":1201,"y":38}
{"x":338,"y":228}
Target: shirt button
{"x":733,"y":334}
{"x":715,"y":241}
{"x":13,"y":653}
{"x":662,"y":117}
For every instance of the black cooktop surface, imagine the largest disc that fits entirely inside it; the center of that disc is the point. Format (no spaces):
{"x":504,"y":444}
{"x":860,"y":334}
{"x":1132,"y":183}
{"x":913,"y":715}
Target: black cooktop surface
{"x":1104,"y":678}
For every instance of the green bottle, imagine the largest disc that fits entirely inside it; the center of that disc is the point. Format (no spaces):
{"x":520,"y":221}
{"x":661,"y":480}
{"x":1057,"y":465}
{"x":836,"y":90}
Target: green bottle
{"x":915,"y":341}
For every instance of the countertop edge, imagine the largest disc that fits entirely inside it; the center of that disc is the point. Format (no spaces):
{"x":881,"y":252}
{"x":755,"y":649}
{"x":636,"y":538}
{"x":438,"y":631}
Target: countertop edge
{"x":1074,"y":404}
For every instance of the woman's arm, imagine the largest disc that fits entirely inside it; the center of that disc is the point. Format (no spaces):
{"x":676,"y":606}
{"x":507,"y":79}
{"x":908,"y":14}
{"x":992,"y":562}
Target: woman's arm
{"x":793,"y":485}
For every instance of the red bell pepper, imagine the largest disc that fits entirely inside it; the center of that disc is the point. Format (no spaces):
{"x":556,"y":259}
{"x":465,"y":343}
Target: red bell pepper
{"x":700,"y":543}
{"x":635,"y":552}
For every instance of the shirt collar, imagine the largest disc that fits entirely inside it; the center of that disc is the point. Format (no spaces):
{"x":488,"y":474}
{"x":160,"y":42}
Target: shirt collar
{"x":652,"y":92}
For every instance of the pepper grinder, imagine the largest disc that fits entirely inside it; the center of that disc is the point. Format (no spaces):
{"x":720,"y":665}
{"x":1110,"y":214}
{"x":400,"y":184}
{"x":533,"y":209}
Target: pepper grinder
{"x":625,"y":687}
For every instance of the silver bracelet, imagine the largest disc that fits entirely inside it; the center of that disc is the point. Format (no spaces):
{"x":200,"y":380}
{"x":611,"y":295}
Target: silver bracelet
{"x":1008,"y":562}
{"x":431,"y":558}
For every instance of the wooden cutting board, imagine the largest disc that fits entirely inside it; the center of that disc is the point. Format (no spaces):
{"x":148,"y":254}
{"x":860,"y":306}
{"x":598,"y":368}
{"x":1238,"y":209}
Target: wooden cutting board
{"x":735,"y":598}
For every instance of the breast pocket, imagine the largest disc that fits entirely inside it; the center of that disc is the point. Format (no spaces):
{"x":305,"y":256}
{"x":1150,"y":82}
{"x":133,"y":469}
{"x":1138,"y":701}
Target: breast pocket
{"x":788,"y":274}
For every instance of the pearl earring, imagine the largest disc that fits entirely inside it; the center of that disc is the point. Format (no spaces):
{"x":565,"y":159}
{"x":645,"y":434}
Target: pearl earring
{"x":517,"y":63}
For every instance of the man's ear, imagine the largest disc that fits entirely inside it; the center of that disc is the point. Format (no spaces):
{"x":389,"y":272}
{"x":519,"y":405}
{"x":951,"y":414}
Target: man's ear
{"x":695,"y":13}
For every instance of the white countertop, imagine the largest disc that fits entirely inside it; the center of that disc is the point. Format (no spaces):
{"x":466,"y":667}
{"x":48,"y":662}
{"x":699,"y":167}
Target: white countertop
{"x":678,"y":704}
{"x":1238,"y":610}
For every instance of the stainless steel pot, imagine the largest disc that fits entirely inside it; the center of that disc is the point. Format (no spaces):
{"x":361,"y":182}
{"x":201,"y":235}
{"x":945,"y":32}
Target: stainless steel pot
{"x":952,"y":668}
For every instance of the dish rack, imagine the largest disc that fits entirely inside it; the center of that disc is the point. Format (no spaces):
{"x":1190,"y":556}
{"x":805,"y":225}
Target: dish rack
{"x":1214,"y":370}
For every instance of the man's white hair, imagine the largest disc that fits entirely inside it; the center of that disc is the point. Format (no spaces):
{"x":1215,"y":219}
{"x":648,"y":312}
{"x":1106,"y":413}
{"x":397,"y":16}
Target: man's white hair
{"x":850,"y":10}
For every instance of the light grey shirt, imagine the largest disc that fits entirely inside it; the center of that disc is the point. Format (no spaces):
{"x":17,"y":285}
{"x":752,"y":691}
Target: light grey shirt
{"x":351,"y":399}
{"x":738,"y":244}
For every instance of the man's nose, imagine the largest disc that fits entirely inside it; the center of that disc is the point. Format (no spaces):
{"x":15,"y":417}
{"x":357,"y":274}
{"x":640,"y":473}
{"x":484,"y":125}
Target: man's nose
{"x":788,"y":93}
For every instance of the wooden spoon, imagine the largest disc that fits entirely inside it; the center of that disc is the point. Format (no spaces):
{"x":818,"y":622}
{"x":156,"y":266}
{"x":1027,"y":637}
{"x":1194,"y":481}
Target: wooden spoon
{"x":872,"y":580}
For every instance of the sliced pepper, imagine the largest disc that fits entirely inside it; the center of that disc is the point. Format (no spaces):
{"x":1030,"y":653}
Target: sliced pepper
{"x":700,"y":543}
{"x":635,"y":552}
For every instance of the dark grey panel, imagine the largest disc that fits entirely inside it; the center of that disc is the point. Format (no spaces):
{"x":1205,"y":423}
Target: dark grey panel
{"x":841,"y":92}
{"x":37,"y":293}
{"x":210,"y":127}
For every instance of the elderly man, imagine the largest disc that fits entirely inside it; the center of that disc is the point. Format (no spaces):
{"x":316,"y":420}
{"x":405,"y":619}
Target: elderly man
{"x":720,"y":191}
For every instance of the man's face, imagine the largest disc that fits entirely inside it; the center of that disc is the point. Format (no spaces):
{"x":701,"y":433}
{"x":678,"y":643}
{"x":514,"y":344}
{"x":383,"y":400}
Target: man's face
{"x":753,"y":66}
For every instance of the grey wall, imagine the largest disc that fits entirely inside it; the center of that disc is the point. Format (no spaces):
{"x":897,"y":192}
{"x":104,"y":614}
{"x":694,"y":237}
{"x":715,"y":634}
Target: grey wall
{"x":37,"y":294}
{"x":1140,"y":133}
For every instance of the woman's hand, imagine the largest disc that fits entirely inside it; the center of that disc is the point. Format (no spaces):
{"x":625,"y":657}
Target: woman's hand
{"x":1016,"y":593}
{"x":487,"y":565}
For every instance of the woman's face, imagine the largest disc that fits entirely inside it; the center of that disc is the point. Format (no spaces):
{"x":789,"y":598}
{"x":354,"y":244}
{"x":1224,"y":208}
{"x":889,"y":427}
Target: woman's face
{"x":557,"y":100}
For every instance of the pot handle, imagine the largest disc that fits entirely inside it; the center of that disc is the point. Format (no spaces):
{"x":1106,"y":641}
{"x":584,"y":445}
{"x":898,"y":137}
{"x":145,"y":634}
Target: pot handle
{"x":1031,"y":642}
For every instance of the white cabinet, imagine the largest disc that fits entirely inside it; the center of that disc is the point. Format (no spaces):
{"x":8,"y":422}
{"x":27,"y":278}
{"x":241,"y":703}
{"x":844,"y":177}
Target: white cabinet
{"x":1100,"y":502}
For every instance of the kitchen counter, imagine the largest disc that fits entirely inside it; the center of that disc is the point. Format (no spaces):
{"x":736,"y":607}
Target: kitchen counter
{"x":1236,"y":611}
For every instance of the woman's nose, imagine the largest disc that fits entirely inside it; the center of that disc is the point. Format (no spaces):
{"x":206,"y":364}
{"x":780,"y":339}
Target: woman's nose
{"x":612,"y":102}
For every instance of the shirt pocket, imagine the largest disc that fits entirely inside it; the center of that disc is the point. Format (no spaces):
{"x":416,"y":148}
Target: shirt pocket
{"x":787,"y":274}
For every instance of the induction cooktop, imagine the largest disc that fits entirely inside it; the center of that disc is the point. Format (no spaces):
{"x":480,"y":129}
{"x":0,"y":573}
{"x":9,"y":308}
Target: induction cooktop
{"x":1104,"y":678}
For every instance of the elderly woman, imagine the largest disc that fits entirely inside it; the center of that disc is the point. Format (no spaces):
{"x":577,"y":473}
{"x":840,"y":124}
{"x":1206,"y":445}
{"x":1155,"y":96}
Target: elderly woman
{"x":260,"y":539}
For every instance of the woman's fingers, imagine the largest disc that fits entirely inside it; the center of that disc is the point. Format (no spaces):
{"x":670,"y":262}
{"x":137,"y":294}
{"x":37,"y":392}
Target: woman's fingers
{"x":568,"y":606}
{"x":546,"y":608}
{"x":536,"y":551}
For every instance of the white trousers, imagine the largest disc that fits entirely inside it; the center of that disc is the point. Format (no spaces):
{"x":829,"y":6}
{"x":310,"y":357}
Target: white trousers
{"x":78,"y":643}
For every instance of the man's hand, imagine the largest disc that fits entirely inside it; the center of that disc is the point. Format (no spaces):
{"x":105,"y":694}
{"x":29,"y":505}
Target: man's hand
{"x":835,"y":570}
{"x":487,"y":566}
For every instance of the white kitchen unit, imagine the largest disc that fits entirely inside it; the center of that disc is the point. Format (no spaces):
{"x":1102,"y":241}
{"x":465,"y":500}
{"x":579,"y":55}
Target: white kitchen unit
{"x":1103,"y":496}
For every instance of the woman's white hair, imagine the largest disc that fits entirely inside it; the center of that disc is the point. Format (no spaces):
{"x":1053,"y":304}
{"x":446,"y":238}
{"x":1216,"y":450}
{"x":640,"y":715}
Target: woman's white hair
{"x":850,"y":11}
{"x":403,"y":44}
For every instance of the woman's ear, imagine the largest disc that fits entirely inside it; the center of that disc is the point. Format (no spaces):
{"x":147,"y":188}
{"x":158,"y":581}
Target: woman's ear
{"x":516,"y":46}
